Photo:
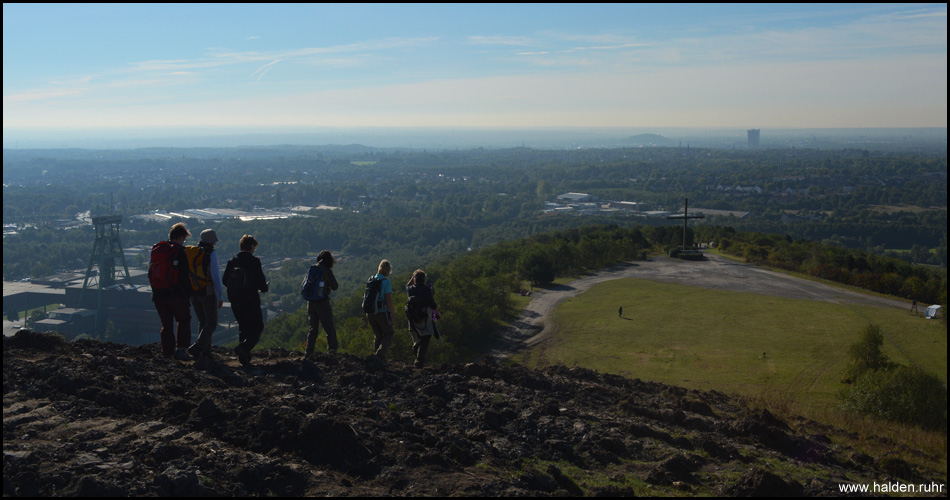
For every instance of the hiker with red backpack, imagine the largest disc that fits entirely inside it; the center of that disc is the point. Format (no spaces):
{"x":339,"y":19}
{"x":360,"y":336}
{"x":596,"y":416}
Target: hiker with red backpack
{"x":207,"y":293}
{"x":171,"y":288}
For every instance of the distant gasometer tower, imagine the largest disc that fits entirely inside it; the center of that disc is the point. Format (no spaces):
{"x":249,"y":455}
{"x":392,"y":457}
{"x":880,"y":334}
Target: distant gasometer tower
{"x":753,"y":137}
{"x":105,"y":252}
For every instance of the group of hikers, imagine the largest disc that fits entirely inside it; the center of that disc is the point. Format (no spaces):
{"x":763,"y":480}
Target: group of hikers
{"x":183,"y":277}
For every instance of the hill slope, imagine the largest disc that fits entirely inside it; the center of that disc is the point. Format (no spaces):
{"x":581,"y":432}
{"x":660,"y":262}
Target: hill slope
{"x":90,"y":418}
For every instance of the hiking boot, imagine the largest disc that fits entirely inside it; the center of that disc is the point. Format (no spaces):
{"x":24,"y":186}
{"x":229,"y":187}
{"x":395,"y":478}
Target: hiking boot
{"x":181,"y":355}
{"x":243,"y":356}
{"x":195,"y":351}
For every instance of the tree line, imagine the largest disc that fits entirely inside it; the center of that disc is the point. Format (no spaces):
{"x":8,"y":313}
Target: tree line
{"x":925,"y":284}
{"x":475,"y":289}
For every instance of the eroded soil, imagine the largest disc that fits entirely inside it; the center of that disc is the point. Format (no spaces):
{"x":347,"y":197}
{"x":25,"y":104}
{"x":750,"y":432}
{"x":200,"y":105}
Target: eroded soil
{"x":99,"y":419}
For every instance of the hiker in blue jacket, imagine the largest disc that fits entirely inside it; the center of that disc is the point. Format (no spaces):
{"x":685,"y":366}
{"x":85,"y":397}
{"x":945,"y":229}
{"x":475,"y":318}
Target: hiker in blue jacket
{"x":207,"y":300}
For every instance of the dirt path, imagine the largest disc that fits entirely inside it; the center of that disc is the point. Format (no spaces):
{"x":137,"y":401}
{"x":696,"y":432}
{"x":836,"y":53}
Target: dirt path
{"x":717,"y":273}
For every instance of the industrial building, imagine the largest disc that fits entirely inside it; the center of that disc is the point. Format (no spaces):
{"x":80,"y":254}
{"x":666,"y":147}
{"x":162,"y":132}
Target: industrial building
{"x":107,"y":298}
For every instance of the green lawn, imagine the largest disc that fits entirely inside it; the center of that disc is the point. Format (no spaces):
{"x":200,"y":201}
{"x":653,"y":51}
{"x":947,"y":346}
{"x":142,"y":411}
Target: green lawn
{"x":753,"y":345}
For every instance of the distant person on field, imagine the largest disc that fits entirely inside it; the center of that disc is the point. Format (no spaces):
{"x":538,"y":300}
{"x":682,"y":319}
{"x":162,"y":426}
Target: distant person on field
{"x":209,"y":299}
{"x":171,"y":288}
{"x":422,"y":312}
{"x":382,"y":321}
{"x":320,"y":312}
{"x":244,"y":278}
{"x":620,"y":312}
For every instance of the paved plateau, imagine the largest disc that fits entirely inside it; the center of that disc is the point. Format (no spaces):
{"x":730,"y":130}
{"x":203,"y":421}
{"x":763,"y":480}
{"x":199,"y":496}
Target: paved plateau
{"x":717,"y":273}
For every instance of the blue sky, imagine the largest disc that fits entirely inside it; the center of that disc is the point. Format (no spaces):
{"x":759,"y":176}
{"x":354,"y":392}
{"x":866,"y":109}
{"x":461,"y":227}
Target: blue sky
{"x":155,"y":66}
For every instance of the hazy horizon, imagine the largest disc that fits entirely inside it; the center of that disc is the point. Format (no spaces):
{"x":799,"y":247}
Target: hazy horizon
{"x":465,"y":137}
{"x":111,"y":69}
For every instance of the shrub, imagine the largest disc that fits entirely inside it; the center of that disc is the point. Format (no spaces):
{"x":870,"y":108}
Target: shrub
{"x":905,"y":395}
{"x":867,"y":354}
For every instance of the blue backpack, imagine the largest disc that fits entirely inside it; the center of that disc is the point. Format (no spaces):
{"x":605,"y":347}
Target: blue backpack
{"x":313,"y":286}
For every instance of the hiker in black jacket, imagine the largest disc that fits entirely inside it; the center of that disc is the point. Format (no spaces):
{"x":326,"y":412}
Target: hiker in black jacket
{"x":320,"y":312}
{"x":422,"y":311}
{"x":244,"y":277}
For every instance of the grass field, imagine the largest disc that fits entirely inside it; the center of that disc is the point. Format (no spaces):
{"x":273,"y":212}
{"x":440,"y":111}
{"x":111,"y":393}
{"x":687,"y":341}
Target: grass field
{"x":768,"y":348}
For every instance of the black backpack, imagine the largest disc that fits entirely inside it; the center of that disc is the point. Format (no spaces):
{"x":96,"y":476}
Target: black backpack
{"x":313,"y":287}
{"x":239,"y":286}
{"x":416,"y":311}
{"x":372,"y":302}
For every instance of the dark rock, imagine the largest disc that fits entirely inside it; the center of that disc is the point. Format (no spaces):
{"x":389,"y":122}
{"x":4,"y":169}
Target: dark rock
{"x":26,"y":339}
{"x":898,"y":468}
{"x":564,"y":481}
{"x":677,"y":468}
{"x":534,"y":479}
{"x":761,"y":483}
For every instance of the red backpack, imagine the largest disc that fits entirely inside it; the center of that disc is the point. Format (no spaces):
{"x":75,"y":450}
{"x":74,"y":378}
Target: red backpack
{"x":163,"y":266}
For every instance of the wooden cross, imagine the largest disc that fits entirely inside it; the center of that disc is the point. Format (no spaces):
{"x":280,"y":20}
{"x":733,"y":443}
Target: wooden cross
{"x":686,"y":217}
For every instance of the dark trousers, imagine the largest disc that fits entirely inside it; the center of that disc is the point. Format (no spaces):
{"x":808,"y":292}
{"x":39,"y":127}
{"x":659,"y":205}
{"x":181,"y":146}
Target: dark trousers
{"x":320,"y":313}
{"x":171,"y":310}
{"x":383,"y":332}
{"x":420,"y":345}
{"x":206,"y":311}
{"x":250,"y":320}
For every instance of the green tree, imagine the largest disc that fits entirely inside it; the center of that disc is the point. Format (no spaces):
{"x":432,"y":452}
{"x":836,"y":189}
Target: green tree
{"x":867,"y":354}
{"x":33,"y":318}
{"x":537,"y":266}
{"x":112,"y":334}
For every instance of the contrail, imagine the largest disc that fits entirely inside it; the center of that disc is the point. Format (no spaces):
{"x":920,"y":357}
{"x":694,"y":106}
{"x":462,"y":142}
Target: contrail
{"x":264,"y":69}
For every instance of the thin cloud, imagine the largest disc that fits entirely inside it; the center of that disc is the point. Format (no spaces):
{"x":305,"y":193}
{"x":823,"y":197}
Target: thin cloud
{"x":921,"y":13}
{"x":502,"y":40}
{"x":614,"y":47}
{"x":150,"y":72}
{"x":264,"y":69}
{"x":39,"y":95}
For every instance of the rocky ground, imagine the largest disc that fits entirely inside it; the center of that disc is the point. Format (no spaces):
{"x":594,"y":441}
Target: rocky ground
{"x":100,"y":419}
